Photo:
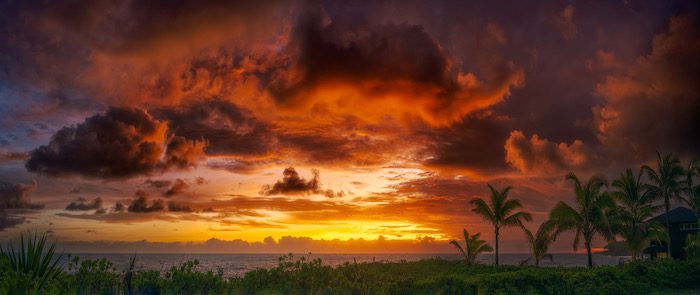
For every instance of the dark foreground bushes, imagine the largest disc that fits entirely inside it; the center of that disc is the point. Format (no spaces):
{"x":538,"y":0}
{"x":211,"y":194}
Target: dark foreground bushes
{"x":305,"y":276}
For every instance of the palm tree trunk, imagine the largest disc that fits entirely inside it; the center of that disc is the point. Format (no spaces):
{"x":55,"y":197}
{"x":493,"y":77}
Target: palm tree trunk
{"x":590,"y":256}
{"x":668,"y":228}
{"x":496,"y":245}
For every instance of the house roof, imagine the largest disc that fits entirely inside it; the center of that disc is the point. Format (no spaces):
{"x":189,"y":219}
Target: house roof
{"x":680,"y":214}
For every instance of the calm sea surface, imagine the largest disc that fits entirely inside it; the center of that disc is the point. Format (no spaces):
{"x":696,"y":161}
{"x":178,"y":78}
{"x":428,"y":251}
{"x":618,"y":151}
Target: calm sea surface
{"x":237,"y":264}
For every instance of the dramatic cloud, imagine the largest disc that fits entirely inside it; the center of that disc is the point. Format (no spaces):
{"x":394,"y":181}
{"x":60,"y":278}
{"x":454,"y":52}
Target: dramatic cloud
{"x":542,"y":156}
{"x":123,"y":142}
{"x":391,"y":69}
{"x":81,"y":204}
{"x":654,"y":103}
{"x":228,"y":129}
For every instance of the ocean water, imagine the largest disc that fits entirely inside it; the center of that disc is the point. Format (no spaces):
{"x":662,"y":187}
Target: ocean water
{"x":232,"y":265}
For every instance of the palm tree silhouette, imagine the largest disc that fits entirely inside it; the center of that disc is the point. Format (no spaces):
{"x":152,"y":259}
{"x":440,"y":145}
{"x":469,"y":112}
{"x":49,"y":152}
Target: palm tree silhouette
{"x":540,"y":241}
{"x":692,"y":191}
{"x":666,"y":185}
{"x":499,"y":211}
{"x":473,"y":246}
{"x":589,"y":216}
{"x":632,"y":218}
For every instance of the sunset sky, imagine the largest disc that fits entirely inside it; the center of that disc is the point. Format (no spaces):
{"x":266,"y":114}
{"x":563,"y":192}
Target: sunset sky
{"x":327,"y":126}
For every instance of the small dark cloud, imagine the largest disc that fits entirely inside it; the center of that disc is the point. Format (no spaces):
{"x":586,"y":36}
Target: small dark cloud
{"x":82,"y":204}
{"x":157,"y":183}
{"x":293,"y":184}
{"x":16,"y":196}
{"x":123,"y":142}
{"x":178,"y":186}
{"x":179,"y":207}
{"x":140,"y":204}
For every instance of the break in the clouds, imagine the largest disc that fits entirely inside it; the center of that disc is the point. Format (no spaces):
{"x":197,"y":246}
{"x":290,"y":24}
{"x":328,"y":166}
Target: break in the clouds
{"x":406,"y":109}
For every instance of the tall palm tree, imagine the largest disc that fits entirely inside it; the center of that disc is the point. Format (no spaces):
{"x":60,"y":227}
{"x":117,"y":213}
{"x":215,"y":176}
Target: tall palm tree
{"x":540,"y":241}
{"x":692,"y":190}
{"x":666,"y":185}
{"x":588,"y":217}
{"x":499,"y":211}
{"x":632,"y":217}
{"x":473,"y":246}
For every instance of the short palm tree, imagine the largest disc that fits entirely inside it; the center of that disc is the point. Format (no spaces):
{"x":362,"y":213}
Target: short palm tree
{"x":631,"y":219}
{"x":473,"y":247}
{"x":499,"y":211}
{"x":588,"y":217}
{"x":34,"y":258}
{"x":540,"y":241}
{"x":666,"y":185}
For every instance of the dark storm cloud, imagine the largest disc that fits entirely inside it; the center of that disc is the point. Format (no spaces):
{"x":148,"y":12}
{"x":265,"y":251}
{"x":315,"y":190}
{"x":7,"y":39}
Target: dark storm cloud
{"x":121,"y":143}
{"x":228,"y":129}
{"x":475,"y":143}
{"x":293,"y":184}
{"x":82,"y":204}
{"x":654,"y":102}
{"x":140,"y":204}
{"x":402,"y":60}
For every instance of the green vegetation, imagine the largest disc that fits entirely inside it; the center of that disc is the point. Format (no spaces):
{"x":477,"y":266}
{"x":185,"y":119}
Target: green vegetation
{"x":632,"y":217}
{"x":666,"y":184}
{"x":499,"y":211}
{"x":540,"y":241}
{"x":432,"y":276}
{"x":473,"y":246}
{"x":30,"y":266}
{"x":590,"y":214}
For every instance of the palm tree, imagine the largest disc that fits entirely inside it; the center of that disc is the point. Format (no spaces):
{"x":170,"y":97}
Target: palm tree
{"x":588,"y":218}
{"x":666,"y":185}
{"x":692,"y":191}
{"x":500,"y":211}
{"x":473,"y":246}
{"x":540,"y":241}
{"x":632,"y":218}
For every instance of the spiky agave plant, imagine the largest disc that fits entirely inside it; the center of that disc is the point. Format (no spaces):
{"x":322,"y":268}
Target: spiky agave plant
{"x":35,"y":259}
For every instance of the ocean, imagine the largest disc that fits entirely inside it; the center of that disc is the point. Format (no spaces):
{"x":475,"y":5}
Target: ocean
{"x":232,"y":265}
